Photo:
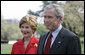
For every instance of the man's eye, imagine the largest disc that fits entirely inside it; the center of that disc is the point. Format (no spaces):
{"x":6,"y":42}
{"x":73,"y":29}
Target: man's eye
{"x":44,"y":16}
{"x":50,"y":17}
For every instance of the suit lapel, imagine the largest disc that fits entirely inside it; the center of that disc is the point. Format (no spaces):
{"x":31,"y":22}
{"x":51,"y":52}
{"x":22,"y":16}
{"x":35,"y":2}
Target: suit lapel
{"x":43,"y":41}
{"x":59,"y":40}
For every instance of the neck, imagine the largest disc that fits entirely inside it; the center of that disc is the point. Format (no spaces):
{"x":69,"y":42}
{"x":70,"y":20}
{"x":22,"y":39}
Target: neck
{"x":55,"y":28}
{"x":27,"y":38}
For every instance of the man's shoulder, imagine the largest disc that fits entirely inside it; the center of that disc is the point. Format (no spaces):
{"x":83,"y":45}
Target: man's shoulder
{"x":68,"y":33}
{"x":44,"y":34}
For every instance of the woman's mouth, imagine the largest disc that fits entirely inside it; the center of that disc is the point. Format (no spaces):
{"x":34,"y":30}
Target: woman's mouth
{"x":25,"y":33}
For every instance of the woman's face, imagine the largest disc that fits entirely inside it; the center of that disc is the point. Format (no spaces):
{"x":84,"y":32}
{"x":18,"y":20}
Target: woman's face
{"x":26,"y":30}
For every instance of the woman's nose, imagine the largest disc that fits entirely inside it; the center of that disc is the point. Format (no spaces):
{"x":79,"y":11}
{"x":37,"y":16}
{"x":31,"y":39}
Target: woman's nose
{"x":24,"y":29}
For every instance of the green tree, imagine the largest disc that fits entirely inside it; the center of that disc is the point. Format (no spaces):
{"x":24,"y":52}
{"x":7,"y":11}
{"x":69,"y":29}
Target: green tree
{"x":9,"y":31}
{"x":41,"y":29}
{"x":3,"y":29}
{"x":73,"y":18}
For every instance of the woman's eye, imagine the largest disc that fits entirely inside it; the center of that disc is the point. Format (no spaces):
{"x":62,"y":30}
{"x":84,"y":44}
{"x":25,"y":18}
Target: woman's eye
{"x":27,"y":27}
{"x":22,"y":26}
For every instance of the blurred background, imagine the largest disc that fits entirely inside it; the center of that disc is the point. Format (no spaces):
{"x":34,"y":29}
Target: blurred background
{"x":13,"y":11}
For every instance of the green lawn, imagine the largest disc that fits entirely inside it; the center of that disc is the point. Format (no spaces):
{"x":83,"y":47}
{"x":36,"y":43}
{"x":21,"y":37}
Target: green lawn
{"x":82,"y":50}
{"x":82,"y":44}
{"x":6,"y":49}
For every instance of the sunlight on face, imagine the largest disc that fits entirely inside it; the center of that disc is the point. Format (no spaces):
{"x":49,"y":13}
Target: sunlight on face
{"x":50,"y":20}
{"x":26,"y":30}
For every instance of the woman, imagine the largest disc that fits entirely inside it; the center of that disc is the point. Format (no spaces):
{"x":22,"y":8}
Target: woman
{"x":29,"y":43}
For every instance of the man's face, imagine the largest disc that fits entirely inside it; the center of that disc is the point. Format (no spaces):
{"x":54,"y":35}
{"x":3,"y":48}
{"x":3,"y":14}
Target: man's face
{"x":50,"y":19}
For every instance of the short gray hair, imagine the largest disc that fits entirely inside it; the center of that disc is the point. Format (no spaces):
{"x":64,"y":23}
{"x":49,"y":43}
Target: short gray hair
{"x":59,"y":9}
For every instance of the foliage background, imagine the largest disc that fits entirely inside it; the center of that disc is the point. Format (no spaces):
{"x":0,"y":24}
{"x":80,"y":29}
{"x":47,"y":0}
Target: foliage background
{"x":73,"y":20}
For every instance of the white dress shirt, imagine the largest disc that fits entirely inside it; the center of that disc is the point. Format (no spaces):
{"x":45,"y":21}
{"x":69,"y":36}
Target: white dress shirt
{"x":54,"y":34}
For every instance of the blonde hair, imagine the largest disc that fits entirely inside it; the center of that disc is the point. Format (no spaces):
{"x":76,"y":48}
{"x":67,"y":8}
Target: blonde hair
{"x":30,"y":20}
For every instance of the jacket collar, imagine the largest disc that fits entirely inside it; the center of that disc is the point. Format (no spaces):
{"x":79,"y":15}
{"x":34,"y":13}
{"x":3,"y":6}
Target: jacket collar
{"x":32,"y":41}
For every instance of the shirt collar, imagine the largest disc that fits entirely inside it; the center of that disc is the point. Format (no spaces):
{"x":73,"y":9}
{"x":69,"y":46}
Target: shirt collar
{"x":57,"y":31}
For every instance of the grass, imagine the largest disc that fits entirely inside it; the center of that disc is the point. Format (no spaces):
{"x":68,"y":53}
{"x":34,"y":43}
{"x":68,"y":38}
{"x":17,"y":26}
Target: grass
{"x":82,"y":48}
{"x":82,"y":45}
{"x":6,"y":48}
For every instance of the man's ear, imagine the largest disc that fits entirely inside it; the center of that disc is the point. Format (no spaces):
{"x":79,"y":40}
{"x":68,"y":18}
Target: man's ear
{"x":61,"y":18}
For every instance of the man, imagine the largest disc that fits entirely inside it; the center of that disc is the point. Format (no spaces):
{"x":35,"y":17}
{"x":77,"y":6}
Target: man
{"x":62,"y":40}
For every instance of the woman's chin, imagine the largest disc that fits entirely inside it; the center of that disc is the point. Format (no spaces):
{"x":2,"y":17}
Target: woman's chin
{"x":25,"y":35}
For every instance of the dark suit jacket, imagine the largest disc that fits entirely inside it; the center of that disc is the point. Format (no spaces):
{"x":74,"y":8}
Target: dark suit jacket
{"x":65,"y":43}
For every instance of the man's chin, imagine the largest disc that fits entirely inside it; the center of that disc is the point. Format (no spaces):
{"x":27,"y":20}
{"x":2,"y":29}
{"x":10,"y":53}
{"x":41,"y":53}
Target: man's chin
{"x":48,"y":28}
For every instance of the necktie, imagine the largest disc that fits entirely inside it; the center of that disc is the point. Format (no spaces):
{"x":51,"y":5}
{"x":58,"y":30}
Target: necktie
{"x":48,"y":43}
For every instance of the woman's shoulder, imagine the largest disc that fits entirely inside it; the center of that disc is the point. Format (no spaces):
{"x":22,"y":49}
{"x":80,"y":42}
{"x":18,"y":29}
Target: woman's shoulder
{"x":18,"y":42}
{"x":35,"y":39}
